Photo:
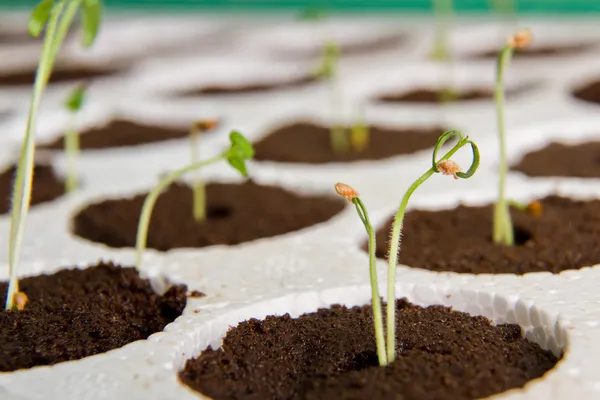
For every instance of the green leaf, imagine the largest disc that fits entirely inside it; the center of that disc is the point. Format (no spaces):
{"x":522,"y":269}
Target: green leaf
{"x":39,"y":16}
{"x":240,"y":151}
{"x":76,"y":98}
{"x":91,"y":19}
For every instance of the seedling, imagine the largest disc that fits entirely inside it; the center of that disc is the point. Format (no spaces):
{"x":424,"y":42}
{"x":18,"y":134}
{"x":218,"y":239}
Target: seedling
{"x":503,"y":228}
{"x":443,"y":12}
{"x":352,"y":196}
{"x":359,"y":135}
{"x":199,"y":188}
{"x":444,"y":166}
{"x":239,"y":151}
{"x":328,"y":70}
{"x":73,"y":105}
{"x":56,"y":16}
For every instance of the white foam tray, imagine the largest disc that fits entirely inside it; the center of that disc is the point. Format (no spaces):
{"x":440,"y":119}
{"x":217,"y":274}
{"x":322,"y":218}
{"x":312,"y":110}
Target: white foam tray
{"x":323,"y":264}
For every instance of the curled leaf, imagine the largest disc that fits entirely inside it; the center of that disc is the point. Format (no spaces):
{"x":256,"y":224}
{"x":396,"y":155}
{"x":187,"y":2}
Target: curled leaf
{"x":39,"y":16}
{"x":240,"y":151}
{"x":91,"y":18}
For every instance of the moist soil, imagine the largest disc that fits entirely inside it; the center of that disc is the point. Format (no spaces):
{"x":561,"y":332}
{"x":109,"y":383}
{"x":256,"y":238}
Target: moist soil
{"x":236,"y":213}
{"x":120,"y":133}
{"x":78,"y":313}
{"x":46,"y":186}
{"x":557,"y":159}
{"x":423,"y":95}
{"x":565,"y":236}
{"x":59,"y":75}
{"x":251,"y":88}
{"x":539,"y":51}
{"x":331,"y":354}
{"x":309,"y":143}
{"x":589,"y":92}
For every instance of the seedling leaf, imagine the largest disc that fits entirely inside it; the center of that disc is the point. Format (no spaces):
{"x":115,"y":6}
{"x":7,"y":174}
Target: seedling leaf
{"x":240,"y":151}
{"x":76,"y":97}
{"x":39,"y":17}
{"x":91,"y":19}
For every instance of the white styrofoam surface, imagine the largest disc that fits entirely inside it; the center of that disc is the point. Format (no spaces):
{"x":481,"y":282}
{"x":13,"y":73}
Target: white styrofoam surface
{"x":322,"y":264}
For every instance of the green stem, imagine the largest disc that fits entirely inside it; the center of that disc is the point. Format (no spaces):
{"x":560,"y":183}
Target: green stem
{"x":72,"y":153}
{"x":24,"y":176}
{"x":359,"y":135}
{"x":503,"y":230}
{"x":397,"y":230}
{"x":375,"y":298}
{"x":198,"y":186}
{"x":144,"y":222}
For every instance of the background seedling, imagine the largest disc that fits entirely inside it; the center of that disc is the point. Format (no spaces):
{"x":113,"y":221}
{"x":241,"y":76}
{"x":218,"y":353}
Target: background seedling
{"x":328,"y":70}
{"x":445,"y":166}
{"x":503,"y":228}
{"x":240,"y":150}
{"x":56,"y":16}
{"x":443,"y":14}
{"x":199,"y":188}
{"x":443,"y":10}
{"x":359,"y":134}
{"x":73,"y":105}
{"x":352,"y":196}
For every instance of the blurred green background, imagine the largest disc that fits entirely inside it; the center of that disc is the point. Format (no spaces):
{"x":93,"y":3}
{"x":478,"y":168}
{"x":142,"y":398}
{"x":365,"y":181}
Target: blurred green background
{"x":475,"y":6}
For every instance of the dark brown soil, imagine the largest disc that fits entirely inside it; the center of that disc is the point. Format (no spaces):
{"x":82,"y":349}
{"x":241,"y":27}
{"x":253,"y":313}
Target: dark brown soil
{"x":251,"y":88}
{"x":557,"y":159}
{"x":589,"y":92}
{"x":77,"y":313}
{"x":46,"y":186}
{"x":423,"y":95}
{"x":236,"y":213}
{"x":539,"y":51}
{"x":120,"y":133}
{"x":305,"y":142}
{"x":565,"y":236}
{"x":331,"y":354}
{"x":59,"y":75}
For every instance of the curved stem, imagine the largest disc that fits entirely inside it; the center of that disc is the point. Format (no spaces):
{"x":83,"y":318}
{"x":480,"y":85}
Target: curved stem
{"x":144,"y":222}
{"x":503,"y":231}
{"x":24,"y":176}
{"x":375,"y":298}
{"x":395,"y":248}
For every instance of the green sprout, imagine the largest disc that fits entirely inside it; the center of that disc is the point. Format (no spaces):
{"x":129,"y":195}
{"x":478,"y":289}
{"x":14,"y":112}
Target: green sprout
{"x":199,"y":188}
{"x":352,"y":195}
{"x":446,"y":167}
{"x":328,"y":70}
{"x":503,"y":229}
{"x":73,"y":105}
{"x":359,"y":135}
{"x":56,"y":16}
{"x":443,"y":12}
{"x":239,"y":151}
